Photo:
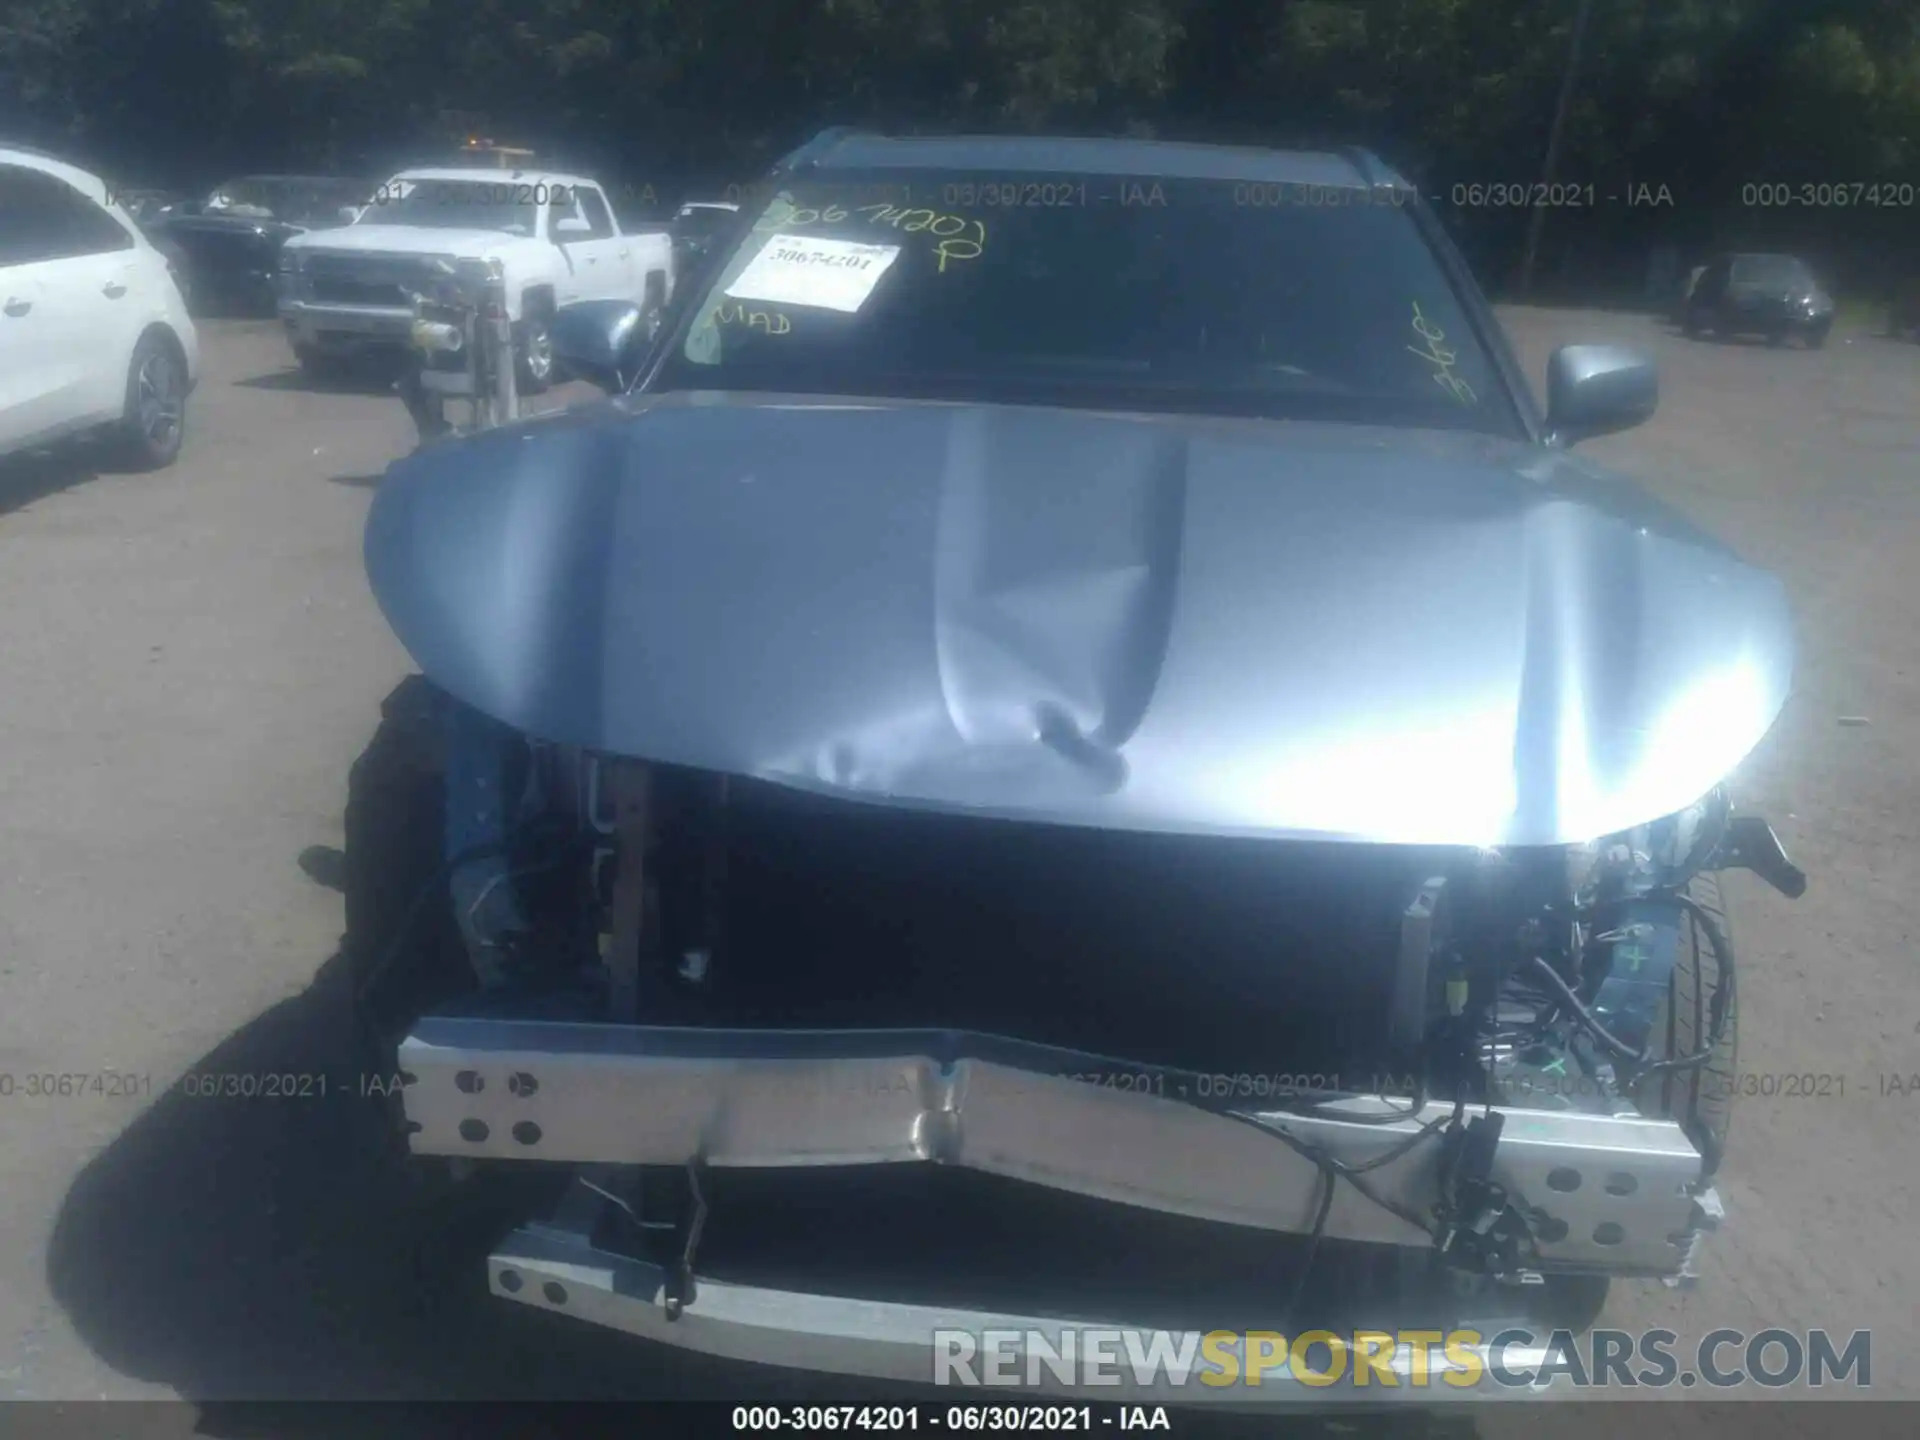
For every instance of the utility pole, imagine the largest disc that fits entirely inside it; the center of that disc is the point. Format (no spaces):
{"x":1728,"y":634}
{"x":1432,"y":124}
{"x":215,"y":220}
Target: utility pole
{"x":1536,"y":219}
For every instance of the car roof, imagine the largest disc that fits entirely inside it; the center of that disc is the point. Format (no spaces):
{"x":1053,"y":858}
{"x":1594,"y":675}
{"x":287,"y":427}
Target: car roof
{"x":990,"y":155}
{"x":85,"y":181}
{"x":1766,"y":255}
{"x":487,"y":175}
{"x":293,"y":180}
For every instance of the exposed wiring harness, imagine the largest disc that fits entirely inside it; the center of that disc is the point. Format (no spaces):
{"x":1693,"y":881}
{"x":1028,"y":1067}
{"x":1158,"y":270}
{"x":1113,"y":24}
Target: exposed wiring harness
{"x":1718,"y":1008}
{"x":1333,"y":1171}
{"x":1641,"y":1064}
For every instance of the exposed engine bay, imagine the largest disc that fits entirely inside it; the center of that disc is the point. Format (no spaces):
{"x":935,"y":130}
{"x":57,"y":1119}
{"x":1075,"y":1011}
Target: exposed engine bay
{"x":913,"y":867}
{"x":1291,"y":968}
{"x":1436,"y":1045}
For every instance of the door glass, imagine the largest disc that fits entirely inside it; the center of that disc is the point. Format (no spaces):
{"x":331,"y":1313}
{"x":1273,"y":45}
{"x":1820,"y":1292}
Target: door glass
{"x":594,"y":211}
{"x":566,"y":207}
{"x":80,"y":227}
{"x":37,"y":217}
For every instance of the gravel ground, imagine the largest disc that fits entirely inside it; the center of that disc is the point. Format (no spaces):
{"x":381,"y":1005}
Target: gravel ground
{"x":191,"y":662}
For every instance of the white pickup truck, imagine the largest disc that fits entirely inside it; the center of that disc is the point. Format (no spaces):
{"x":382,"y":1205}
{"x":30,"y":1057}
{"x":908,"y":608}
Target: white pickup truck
{"x":552,"y":237}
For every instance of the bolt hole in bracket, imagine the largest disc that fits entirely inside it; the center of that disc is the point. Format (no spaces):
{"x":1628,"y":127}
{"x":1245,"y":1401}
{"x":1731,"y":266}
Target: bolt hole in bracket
{"x":632,"y":1096}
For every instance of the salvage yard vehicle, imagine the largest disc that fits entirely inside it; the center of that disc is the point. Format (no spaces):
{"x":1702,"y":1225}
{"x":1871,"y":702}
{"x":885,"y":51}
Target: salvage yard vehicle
{"x":231,"y":241}
{"x":1774,"y":296}
{"x":551,"y":238}
{"x":1070,"y":708}
{"x":94,"y":334}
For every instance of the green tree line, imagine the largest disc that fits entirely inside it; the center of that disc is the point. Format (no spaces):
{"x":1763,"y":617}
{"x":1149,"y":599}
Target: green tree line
{"x":1695,"y":100}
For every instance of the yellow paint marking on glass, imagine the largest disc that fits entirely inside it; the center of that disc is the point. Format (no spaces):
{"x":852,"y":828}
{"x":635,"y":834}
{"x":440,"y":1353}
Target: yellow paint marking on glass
{"x":1440,"y":358}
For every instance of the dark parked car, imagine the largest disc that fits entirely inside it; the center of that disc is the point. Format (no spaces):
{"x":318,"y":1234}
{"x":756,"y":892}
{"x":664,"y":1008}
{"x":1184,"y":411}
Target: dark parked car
{"x":1775,"y":296}
{"x":1903,"y":315}
{"x":151,"y":209}
{"x":148,"y":207}
{"x":232,"y":239}
{"x":1073,"y":731}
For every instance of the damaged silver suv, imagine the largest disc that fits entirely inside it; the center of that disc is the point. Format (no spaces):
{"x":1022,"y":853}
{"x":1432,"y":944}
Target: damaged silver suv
{"x":1069,"y":746}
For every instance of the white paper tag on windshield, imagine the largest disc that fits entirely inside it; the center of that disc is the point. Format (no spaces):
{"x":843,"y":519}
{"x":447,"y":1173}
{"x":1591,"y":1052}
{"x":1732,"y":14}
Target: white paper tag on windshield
{"x":804,"y":270}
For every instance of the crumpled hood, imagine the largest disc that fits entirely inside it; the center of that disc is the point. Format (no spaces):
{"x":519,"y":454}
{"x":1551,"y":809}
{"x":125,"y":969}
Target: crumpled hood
{"x":1188,"y":624}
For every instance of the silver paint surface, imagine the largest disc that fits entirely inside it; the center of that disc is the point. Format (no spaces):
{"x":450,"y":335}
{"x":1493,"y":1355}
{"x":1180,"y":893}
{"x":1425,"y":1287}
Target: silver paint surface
{"x":1177,"y":624}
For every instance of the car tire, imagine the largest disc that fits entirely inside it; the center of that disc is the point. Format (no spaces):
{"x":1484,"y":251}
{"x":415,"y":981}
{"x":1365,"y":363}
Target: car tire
{"x":533,"y":352}
{"x":403,"y":946}
{"x":1817,"y":337}
{"x":403,"y":956}
{"x":1776,"y":336}
{"x":1701,"y":1099}
{"x":1690,"y":325}
{"x":154,"y":420}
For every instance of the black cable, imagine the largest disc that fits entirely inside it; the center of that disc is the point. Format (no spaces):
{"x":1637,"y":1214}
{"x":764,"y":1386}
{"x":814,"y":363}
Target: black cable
{"x":416,"y":907}
{"x":1723,"y":994}
{"x":1328,"y":1184}
{"x":1331,"y":1172}
{"x":1718,"y":1009}
{"x":1621,"y":1050}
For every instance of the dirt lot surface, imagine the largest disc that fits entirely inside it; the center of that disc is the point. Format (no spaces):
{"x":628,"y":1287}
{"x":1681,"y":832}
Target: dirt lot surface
{"x":190,"y":661}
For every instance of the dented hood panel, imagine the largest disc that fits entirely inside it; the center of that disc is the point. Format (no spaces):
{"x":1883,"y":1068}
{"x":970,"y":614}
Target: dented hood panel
{"x":1186,"y":624}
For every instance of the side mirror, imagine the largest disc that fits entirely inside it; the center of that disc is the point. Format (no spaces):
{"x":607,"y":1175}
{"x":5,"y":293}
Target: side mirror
{"x":572,"y":227}
{"x":601,"y":341}
{"x":1598,"y":389}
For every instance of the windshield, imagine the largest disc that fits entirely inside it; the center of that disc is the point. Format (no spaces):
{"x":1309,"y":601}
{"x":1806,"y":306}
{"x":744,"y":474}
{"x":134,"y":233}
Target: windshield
{"x":1770,"y":270}
{"x":1145,"y":294}
{"x":477,"y":204}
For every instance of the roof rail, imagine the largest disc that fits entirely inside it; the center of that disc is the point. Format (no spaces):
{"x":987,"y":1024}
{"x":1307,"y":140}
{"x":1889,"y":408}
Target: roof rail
{"x":820,"y":144}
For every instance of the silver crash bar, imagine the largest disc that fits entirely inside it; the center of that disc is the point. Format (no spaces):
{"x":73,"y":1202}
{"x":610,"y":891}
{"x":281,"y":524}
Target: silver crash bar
{"x":554,"y":1266}
{"x":1622,"y":1195}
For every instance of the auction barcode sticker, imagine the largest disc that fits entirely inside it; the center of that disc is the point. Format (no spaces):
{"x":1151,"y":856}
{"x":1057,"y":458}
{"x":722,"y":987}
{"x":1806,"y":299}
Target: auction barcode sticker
{"x":805,"y":270}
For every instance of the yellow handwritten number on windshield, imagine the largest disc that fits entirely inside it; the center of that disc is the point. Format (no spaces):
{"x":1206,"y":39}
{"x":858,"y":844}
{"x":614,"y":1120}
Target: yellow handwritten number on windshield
{"x":1440,"y":358}
{"x":951,"y":230}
